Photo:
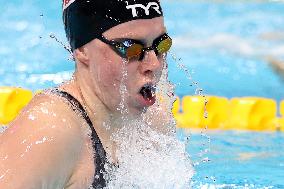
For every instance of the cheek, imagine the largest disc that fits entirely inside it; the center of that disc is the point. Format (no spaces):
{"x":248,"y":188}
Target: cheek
{"x":108,"y":71}
{"x":112,"y":75}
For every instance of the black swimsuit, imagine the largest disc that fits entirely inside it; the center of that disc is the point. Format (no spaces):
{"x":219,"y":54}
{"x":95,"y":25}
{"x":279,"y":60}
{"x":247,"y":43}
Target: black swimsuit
{"x":100,"y":154}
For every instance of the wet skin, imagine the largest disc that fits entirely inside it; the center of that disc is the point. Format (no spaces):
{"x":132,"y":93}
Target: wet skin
{"x":47,"y":146}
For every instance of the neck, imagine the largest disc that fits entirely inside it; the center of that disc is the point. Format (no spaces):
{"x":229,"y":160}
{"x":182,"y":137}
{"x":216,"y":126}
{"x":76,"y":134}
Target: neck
{"x":99,"y":114}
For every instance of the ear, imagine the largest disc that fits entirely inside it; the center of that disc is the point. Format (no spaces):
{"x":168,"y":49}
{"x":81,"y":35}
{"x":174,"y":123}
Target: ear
{"x":82,"y":55}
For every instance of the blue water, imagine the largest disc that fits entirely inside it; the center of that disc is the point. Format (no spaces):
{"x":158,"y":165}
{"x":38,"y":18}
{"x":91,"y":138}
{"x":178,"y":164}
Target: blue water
{"x":237,"y":159}
{"x":225,"y":45}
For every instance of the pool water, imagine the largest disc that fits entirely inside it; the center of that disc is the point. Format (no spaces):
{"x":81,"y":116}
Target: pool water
{"x":224,"y":44}
{"x":237,"y":159}
{"x":228,"y":43}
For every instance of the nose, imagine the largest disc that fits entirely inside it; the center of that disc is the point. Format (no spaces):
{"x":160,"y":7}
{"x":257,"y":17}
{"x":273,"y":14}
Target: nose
{"x":150,"y":63}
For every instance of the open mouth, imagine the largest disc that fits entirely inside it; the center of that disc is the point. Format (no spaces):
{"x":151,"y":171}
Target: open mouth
{"x":148,"y":92}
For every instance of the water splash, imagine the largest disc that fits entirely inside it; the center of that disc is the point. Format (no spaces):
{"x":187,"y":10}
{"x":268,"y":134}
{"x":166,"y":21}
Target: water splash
{"x":148,"y":159}
{"x":2,"y":128}
{"x":122,"y":107}
{"x":165,"y":100}
{"x":198,"y":91}
{"x":65,"y":46}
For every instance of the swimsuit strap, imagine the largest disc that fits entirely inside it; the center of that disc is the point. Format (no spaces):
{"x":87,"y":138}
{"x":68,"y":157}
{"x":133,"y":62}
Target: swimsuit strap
{"x":100,"y":155}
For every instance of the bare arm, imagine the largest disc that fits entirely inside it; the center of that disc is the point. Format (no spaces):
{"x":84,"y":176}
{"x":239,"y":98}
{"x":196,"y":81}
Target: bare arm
{"x":40,"y":149}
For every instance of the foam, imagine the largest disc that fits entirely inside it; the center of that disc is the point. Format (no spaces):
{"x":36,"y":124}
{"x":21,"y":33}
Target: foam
{"x":148,"y":159}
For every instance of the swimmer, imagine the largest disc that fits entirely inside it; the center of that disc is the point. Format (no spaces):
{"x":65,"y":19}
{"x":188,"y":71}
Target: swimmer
{"x":46,"y":146}
{"x":277,"y":66}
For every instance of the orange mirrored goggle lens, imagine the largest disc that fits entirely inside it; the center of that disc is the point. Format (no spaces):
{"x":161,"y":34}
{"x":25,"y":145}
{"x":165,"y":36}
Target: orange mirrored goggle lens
{"x":164,"y":45}
{"x":134,"y":51}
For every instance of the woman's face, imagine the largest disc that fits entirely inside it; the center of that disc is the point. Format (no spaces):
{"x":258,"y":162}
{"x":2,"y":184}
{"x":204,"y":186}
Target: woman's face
{"x":110,"y":73}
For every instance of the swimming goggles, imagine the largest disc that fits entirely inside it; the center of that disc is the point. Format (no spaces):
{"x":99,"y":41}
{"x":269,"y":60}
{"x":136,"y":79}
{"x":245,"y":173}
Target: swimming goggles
{"x":131,"y":48}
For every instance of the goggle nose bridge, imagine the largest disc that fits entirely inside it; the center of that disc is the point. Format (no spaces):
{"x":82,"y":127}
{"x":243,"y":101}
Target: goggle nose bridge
{"x":145,"y":50}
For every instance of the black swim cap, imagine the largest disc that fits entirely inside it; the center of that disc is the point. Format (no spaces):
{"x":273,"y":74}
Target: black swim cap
{"x":85,"y":20}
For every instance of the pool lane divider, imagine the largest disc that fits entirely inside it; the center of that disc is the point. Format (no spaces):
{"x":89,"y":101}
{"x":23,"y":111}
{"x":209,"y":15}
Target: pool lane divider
{"x":240,"y":113}
{"x":12,"y":100}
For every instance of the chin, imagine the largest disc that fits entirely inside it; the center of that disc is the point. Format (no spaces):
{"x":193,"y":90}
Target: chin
{"x":137,"y":111}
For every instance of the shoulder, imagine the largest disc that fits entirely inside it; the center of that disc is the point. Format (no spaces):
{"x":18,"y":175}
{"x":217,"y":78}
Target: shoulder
{"x":48,"y":112}
{"x":46,"y":136}
{"x":50,"y":115}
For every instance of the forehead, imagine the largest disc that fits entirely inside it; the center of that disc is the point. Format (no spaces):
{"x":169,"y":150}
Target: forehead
{"x":138,"y":29}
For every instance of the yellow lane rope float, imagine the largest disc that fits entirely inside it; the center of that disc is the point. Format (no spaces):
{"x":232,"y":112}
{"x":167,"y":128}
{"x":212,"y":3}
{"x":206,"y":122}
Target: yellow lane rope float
{"x":212,"y":112}
{"x":245,"y":113}
{"x":12,"y":100}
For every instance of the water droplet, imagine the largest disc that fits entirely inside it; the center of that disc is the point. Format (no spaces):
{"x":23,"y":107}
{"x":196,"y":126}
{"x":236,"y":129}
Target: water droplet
{"x":31,"y":117}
